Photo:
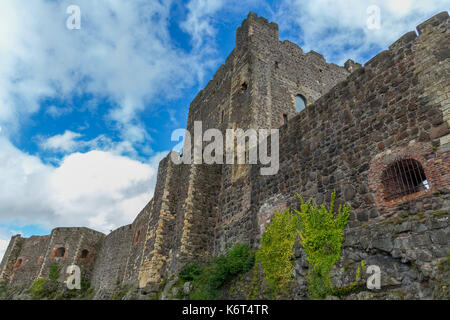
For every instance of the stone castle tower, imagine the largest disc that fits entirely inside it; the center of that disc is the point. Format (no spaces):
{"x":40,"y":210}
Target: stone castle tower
{"x":378,"y":135}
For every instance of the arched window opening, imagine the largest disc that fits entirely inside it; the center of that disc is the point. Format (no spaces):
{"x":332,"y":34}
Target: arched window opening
{"x":59,"y":253}
{"x":285,"y":119}
{"x":137,"y":236}
{"x":404,"y":177}
{"x":300,"y":103}
{"x":18,"y":263}
{"x":84,"y":254}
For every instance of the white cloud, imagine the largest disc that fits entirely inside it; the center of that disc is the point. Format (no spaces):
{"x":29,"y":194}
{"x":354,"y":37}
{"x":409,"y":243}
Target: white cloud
{"x":56,"y":112}
{"x":70,"y":142}
{"x":338,"y":29}
{"x":65,"y":142}
{"x":97,"y":189}
{"x":3,"y":246}
{"x":199,"y":20}
{"x":123,"y":51}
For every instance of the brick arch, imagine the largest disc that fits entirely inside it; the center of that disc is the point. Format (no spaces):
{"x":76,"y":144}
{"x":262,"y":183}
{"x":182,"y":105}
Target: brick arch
{"x":19,"y":263}
{"x":59,"y":252}
{"x":84,"y":253}
{"x":431,"y":162}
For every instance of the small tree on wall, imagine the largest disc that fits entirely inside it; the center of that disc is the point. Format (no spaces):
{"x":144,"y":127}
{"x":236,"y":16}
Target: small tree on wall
{"x":321,"y":235}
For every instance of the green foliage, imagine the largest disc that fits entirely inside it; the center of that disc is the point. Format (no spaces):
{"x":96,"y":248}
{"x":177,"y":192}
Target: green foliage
{"x":85,"y":293}
{"x":47,"y":289}
{"x":239,"y":259}
{"x":120,"y":292}
{"x":202,"y":289}
{"x":54,"y":272}
{"x":353,"y":286}
{"x":214,"y":275}
{"x":4,"y":291}
{"x":276,"y":253}
{"x":190,"y":271}
{"x":321,"y":235}
{"x":44,"y":288}
{"x":51,"y":289}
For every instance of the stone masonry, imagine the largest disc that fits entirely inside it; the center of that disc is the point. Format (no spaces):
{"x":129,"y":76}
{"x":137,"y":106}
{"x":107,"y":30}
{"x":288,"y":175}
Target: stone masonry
{"x":359,"y":120}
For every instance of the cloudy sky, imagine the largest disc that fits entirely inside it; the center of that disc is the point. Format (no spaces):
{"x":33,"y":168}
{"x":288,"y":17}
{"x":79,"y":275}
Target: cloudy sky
{"x":86,"y":115}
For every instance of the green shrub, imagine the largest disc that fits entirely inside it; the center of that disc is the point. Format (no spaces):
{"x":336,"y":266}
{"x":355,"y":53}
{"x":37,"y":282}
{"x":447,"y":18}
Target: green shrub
{"x":120,"y":292}
{"x":51,"y":289}
{"x":239,"y":259}
{"x":322,"y":234}
{"x":43,"y":288}
{"x":276,"y":253}
{"x":190,"y":271}
{"x":213,"y":277}
{"x":54,"y":272}
{"x":85,"y":293}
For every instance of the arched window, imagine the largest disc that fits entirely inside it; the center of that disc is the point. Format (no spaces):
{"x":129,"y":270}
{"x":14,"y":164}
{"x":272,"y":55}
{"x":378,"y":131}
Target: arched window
{"x":59,"y":253}
{"x":84,"y":254}
{"x":300,"y":103}
{"x":403,"y":177}
{"x":285,"y":119}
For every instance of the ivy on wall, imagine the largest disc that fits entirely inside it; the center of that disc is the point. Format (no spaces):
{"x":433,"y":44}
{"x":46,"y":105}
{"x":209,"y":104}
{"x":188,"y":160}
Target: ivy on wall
{"x":276,"y":255}
{"x":321,"y":233}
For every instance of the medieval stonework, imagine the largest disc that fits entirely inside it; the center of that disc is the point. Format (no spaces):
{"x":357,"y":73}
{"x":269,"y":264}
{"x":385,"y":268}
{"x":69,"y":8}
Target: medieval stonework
{"x":359,"y":125}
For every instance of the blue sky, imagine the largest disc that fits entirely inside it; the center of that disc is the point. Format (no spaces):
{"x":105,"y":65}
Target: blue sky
{"x":86,"y":115}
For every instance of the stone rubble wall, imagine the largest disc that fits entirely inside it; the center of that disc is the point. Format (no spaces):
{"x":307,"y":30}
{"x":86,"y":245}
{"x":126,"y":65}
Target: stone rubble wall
{"x":28,"y":259}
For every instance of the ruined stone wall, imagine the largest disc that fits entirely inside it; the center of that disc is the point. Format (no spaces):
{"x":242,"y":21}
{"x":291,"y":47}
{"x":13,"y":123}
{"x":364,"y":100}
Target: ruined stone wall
{"x":111,"y":261}
{"x":274,"y":73}
{"x":134,"y":255}
{"x":74,"y":241}
{"x":159,"y":224}
{"x":395,"y":107}
{"x":410,"y":251}
{"x":121,"y":255}
{"x":389,"y":109}
{"x":10,"y":257}
{"x":27,"y":259}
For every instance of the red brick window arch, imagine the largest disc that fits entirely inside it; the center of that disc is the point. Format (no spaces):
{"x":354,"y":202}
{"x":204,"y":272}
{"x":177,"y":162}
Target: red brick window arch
{"x":84,"y":254}
{"x":403,"y":177}
{"x":18,"y":263}
{"x":60,"y":252}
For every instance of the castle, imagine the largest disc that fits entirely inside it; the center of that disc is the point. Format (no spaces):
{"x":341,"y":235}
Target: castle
{"x":378,"y":134}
